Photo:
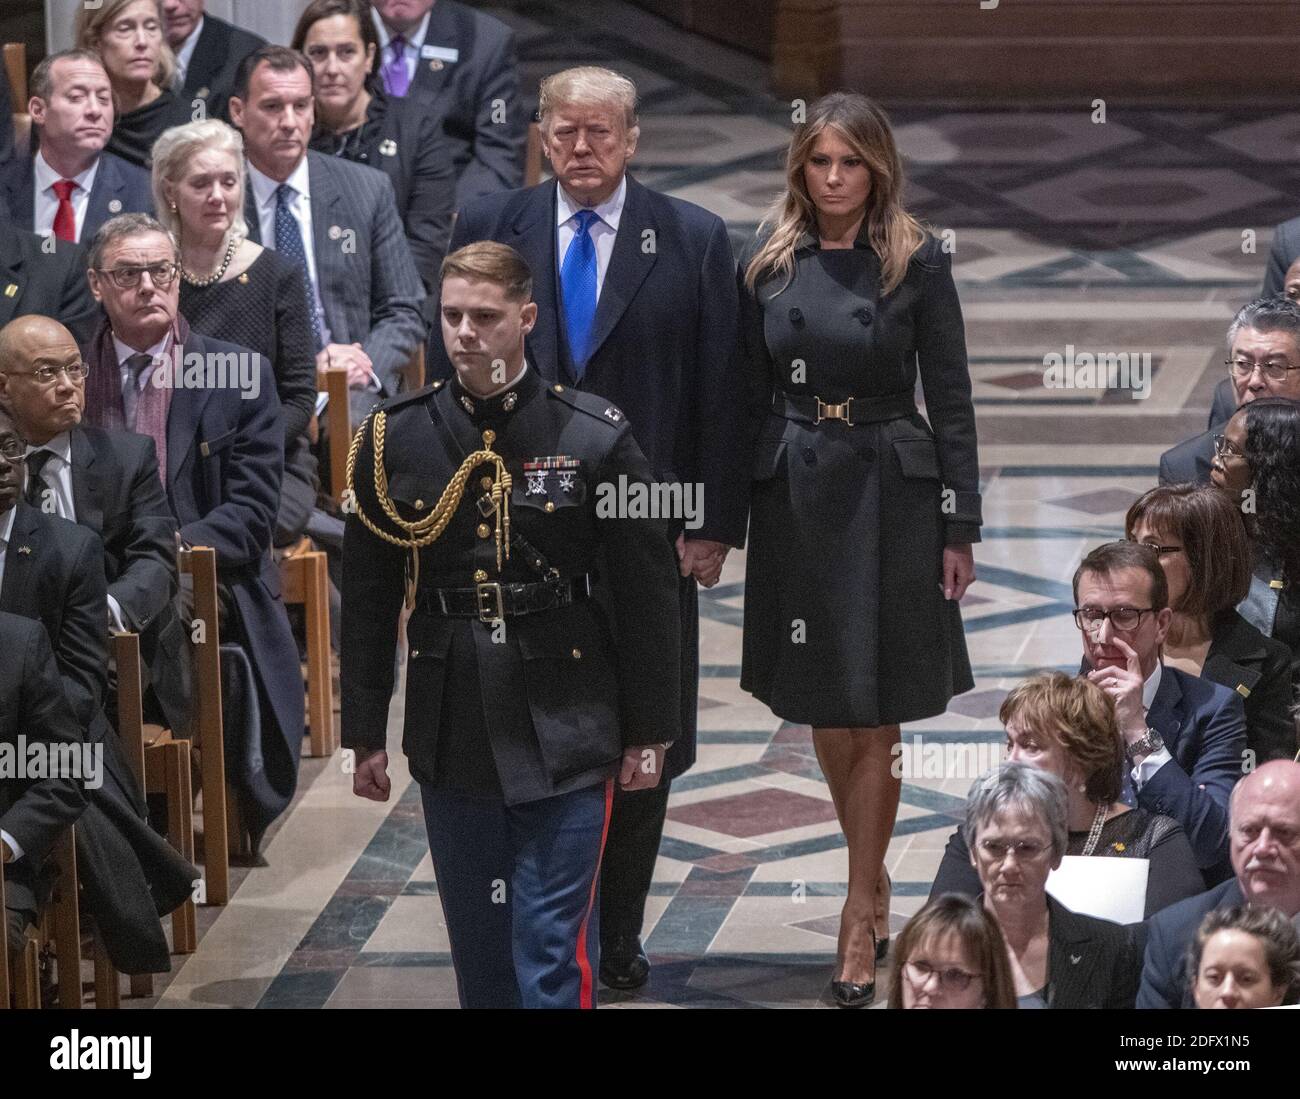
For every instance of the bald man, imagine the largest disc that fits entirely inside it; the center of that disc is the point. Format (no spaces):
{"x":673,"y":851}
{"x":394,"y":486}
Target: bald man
{"x":104,"y":480}
{"x":1264,"y":834}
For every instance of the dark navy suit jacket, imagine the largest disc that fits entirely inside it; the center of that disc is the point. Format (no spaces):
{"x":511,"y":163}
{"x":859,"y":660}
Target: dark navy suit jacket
{"x":665,"y":339}
{"x":1204,"y":727}
{"x":119,"y":188}
{"x":1189,"y":461}
{"x":1165,"y":982}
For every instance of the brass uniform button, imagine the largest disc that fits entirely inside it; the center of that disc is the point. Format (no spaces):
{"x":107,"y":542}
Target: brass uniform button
{"x":484,"y":530}
{"x":415,"y":653}
{"x":419,"y":503}
{"x":559,"y":389}
{"x":550,"y":506}
{"x":479,"y":576}
{"x":485,"y":484}
{"x":577,"y":654}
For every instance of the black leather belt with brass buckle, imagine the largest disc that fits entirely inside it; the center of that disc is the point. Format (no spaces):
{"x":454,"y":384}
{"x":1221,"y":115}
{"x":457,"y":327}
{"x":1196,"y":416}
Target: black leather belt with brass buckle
{"x":852,"y":411}
{"x":489,"y":602}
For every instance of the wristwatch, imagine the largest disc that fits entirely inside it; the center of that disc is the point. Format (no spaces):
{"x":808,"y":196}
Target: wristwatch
{"x":1150,"y":741}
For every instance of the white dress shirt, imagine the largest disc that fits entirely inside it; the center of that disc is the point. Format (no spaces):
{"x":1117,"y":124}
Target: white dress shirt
{"x":56,"y":473}
{"x":1151,"y":764}
{"x":602,"y":232}
{"x":124,"y":352}
{"x":186,"y":53}
{"x":411,"y":52}
{"x":6,"y":531}
{"x":264,"y":188}
{"x":47,"y":202}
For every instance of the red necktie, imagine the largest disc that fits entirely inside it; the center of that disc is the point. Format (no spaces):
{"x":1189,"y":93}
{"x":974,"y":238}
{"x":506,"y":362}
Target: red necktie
{"x":65,"y":221}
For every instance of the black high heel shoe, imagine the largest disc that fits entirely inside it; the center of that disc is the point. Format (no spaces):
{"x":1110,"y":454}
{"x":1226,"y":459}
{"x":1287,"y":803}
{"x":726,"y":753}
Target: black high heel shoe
{"x":855,"y":993}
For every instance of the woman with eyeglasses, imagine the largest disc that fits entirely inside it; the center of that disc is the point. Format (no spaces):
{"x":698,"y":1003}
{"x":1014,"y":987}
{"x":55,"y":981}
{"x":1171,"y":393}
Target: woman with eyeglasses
{"x":951,"y":955}
{"x":1245,"y":957}
{"x":1257,"y":464}
{"x":128,"y":36}
{"x":1017,"y":828}
{"x":1066,"y":726}
{"x":1206,"y":556}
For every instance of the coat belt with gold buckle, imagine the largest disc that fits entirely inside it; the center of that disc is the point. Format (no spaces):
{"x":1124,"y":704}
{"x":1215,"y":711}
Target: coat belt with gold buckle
{"x":853,"y":411}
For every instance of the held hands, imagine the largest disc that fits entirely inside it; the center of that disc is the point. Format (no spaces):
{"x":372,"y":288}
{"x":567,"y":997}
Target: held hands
{"x":958,"y":570}
{"x":1124,"y":685}
{"x":641,"y":767}
{"x":370,"y":780}
{"x":701,"y":558}
{"x":350,"y":356}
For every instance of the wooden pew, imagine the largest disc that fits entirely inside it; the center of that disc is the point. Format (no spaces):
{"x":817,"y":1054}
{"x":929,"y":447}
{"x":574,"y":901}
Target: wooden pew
{"x":304,"y":579}
{"x":533,"y":159}
{"x":334,"y":381}
{"x":15,"y":62}
{"x":159,"y":768}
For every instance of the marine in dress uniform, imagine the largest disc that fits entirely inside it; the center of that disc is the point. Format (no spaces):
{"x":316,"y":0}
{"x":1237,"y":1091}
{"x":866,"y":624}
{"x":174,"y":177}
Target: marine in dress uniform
{"x":543,"y":646}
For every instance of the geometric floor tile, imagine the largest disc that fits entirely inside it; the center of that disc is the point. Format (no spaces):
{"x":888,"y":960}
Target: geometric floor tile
{"x":756,"y":813}
{"x":1102,"y":501}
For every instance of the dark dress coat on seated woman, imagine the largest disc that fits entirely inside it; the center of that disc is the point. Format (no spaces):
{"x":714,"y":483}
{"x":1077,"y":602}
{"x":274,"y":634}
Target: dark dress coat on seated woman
{"x":845,"y":619}
{"x":265,"y":309}
{"x":135,"y":132}
{"x":403,"y":138}
{"x":1259,"y":669}
{"x":1091,"y":963}
{"x":1172,"y":876}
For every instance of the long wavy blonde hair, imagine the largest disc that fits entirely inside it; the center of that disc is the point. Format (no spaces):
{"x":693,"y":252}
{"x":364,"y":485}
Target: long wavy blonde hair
{"x":895,"y":235}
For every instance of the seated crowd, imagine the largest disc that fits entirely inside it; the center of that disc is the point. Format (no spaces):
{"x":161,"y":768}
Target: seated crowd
{"x":297,"y":224}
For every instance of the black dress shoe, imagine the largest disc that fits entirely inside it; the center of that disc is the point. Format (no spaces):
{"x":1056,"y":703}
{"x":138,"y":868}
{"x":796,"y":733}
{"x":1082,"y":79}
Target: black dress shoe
{"x":623,"y":963}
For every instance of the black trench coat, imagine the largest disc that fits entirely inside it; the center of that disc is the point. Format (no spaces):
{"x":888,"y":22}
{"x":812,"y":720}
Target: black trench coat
{"x":845,"y":619}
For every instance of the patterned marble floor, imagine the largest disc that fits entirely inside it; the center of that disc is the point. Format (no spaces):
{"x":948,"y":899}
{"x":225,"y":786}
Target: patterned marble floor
{"x":1138,"y":235}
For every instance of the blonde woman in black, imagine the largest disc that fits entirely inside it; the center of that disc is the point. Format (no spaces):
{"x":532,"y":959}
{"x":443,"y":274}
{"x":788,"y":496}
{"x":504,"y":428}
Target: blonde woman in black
{"x":863,"y":514}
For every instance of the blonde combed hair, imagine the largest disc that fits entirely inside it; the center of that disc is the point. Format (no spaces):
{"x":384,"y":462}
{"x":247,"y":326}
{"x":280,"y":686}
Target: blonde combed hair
{"x":172,"y":153}
{"x":588,"y":85}
{"x":89,"y":30}
{"x":894,"y":234}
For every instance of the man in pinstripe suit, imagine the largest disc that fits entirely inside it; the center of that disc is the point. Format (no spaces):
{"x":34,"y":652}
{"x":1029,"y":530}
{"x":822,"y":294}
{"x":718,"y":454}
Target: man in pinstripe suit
{"x":339,"y":220}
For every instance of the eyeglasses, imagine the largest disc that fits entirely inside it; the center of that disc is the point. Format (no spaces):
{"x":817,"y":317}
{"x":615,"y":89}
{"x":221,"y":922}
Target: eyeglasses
{"x":1163,"y":551}
{"x":950,"y":980}
{"x":1275,"y":370}
{"x":1026,"y":850}
{"x":1122,"y":618}
{"x":46,"y":374}
{"x":128,"y":278}
{"x":13,"y":450}
{"x":1224,"y":449}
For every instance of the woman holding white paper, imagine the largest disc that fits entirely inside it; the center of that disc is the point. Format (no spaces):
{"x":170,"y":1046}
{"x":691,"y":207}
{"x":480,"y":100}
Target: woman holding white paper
{"x":1066,"y":726}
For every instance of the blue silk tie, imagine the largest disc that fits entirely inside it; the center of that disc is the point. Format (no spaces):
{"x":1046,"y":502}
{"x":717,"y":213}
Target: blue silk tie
{"x":288,"y":242}
{"x":578,"y":290}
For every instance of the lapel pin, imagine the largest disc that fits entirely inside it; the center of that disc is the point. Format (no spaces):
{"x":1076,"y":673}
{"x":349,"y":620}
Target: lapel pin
{"x":435,"y":65}
{"x":388,"y":147}
{"x":115,"y":206}
{"x":24,"y":551}
{"x":1075,"y":959}
{"x":11,"y":290}
{"x":244,"y":278}
{"x":335,"y":232}
{"x":203,"y":93}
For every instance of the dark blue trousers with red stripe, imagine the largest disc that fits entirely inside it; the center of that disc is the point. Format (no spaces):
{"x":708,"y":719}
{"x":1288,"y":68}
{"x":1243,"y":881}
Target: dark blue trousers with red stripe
{"x":519,"y":887}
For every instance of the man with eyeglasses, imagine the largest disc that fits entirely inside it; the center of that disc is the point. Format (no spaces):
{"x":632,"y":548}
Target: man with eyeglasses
{"x":1184,"y":737}
{"x":1263,"y":361}
{"x":107,"y":481}
{"x":220,"y":445}
{"x":1265,"y":841}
